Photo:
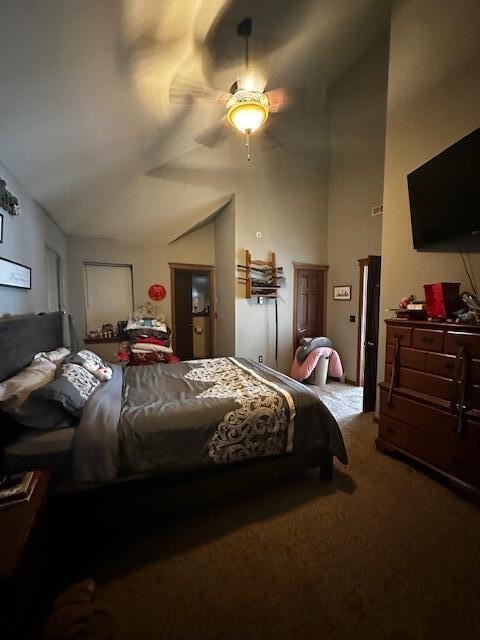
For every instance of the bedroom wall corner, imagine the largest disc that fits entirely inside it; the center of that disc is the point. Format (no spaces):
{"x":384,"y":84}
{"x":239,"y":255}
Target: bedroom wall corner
{"x":433,"y":98}
{"x":25,"y":238}
{"x":149,"y":264}
{"x":224,"y":227}
{"x":357,"y":151}
{"x":285,"y":199}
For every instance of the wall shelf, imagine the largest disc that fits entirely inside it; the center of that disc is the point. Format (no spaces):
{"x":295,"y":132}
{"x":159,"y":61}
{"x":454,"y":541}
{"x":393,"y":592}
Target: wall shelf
{"x":262,"y":278}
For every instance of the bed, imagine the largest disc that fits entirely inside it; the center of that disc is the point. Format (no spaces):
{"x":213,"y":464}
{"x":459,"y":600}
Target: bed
{"x":202,"y":417}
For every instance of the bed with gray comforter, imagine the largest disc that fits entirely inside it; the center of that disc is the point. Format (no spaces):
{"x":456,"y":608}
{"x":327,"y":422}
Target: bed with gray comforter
{"x":195,"y":414}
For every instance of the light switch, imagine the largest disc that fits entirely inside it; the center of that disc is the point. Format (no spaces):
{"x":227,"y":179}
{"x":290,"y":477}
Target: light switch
{"x":352,"y":318}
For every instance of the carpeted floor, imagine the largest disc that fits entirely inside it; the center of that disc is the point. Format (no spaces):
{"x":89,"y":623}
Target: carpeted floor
{"x":385,"y":551}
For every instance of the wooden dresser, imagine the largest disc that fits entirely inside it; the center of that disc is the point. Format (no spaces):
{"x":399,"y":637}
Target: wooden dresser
{"x":430,"y":399}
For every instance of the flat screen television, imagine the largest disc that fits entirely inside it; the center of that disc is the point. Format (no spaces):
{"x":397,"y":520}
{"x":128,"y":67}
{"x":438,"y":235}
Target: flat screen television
{"x":444,"y":198}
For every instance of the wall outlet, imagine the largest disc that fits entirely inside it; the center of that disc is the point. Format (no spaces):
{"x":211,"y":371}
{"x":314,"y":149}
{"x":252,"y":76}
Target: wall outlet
{"x":260,"y":358}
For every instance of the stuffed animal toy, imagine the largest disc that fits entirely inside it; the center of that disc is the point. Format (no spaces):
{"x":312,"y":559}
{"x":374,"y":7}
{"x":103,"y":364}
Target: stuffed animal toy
{"x":101,"y":371}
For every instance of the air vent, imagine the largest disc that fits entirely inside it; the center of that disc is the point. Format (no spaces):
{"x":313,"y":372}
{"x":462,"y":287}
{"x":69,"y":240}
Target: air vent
{"x":378,"y":210}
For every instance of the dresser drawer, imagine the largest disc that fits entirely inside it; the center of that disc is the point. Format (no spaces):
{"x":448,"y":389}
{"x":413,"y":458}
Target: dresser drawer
{"x":440,"y":364}
{"x":429,"y":339}
{"x":456,"y":339}
{"x":424,"y":382}
{"x":403,"y":334}
{"x":435,"y":422}
{"x":450,"y":459}
{"x":412,"y":358}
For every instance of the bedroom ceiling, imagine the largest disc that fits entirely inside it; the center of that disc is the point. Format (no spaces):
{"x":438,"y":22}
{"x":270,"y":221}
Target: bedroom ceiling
{"x":86,"y":121}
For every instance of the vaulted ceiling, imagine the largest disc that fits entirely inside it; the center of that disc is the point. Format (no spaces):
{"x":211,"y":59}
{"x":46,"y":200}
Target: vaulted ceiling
{"x":88,"y":124}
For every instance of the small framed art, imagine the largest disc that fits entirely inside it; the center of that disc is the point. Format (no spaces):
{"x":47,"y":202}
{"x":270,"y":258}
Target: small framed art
{"x":342,"y":292}
{"x":13,"y":274}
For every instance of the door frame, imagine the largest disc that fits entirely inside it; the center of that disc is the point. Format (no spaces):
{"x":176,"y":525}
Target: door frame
{"x":213,"y":312}
{"x":313,"y":267}
{"x":362,"y":264}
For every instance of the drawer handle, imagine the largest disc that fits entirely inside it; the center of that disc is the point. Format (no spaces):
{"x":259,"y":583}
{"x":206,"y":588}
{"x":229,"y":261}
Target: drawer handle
{"x":427,"y":340}
{"x":390,"y":430}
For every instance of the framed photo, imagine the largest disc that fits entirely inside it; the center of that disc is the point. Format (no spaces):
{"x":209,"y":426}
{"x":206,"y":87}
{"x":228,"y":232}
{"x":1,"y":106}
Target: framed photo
{"x":14,"y":274}
{"x":342,"y":292}
{"x":1,"y":227}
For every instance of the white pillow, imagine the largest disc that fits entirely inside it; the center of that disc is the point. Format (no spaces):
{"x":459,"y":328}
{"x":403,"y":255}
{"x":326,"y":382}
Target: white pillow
{"x":15,"y":390}
{"x":57,"y":356}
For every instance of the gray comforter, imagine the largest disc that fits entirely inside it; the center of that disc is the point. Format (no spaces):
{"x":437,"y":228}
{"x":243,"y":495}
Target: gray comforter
{"x":192,"y":414}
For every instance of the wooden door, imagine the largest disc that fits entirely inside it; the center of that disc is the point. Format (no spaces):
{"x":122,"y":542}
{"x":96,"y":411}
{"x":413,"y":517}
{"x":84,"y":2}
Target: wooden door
{"x":309,"y":302}
{"x":371,"y":333}
{"x":182,"y":282}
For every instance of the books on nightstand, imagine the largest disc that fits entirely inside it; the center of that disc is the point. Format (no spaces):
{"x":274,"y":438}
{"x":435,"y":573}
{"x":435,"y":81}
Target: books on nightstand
{"x":17,"y":488}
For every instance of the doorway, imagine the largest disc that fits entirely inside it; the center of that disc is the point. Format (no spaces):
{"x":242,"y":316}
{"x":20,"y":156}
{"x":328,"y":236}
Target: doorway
{"x":193,"y":310}
{"x":309,"y":303}
{"x":368,"y":325}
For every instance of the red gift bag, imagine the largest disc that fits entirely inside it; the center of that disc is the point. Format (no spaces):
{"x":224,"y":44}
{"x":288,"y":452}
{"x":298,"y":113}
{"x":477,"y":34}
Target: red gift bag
{"x":442,"y":299}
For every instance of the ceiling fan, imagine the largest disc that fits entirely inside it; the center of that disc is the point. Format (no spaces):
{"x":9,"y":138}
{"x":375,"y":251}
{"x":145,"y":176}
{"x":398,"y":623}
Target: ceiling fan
{"x":248,"y":105}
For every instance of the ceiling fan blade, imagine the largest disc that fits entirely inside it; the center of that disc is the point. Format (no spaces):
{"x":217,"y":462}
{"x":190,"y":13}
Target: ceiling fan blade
{"x":184,"y":91}
{"x":214,"y":135}
{"x":278,"y":100}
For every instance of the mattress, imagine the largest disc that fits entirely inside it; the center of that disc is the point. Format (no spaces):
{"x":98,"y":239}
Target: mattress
{"x":37,"y":449}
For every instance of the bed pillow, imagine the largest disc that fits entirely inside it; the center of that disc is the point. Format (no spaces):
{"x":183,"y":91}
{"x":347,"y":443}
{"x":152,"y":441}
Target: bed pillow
{"x":83,"y":356}
{"x":93,"y":364}
{"x":15,"y":390}
{"x":57,"y":356}
{"x":71,"y":388}
{"x":38,"y":413}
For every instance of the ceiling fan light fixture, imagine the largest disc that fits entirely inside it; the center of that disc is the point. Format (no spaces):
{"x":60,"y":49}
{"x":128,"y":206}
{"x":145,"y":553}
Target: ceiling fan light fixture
{"x":247,"y":110}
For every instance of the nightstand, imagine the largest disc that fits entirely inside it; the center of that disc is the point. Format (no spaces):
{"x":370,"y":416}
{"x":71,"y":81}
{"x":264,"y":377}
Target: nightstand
{"x":22,"y":563}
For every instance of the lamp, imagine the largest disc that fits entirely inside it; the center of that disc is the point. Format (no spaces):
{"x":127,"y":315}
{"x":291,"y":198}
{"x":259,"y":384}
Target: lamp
{"x":247,"y":110}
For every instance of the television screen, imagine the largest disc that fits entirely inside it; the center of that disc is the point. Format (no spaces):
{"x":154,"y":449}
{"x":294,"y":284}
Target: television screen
{"x":444,"y":198}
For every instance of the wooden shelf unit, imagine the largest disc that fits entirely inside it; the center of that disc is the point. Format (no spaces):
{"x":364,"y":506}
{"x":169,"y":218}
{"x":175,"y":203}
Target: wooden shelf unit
{"x":266,"y":267}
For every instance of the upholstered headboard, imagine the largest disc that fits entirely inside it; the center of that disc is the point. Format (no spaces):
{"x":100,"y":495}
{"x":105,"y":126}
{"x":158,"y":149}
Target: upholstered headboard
{"x":22,"y":337}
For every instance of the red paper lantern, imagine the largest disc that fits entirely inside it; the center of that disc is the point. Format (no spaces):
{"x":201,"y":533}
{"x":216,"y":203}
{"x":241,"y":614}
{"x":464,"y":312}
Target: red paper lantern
{"x":157,"y":292}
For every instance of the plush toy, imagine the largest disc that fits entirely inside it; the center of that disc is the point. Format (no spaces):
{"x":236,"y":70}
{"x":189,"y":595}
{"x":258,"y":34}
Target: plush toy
{"x":101,"y":371}
{"x":404,"y":302}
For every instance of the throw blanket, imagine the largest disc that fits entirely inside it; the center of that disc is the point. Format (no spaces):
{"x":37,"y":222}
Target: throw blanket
{"x":193,"y":414}
{"x":301,"y":370}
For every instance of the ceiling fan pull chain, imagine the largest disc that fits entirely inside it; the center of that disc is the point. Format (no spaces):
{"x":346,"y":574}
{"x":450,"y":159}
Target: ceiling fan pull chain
{"x":247,"y":144}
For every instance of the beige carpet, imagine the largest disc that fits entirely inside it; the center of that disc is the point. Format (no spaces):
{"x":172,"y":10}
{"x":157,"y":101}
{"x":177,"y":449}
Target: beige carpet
{"x":385,"y":551}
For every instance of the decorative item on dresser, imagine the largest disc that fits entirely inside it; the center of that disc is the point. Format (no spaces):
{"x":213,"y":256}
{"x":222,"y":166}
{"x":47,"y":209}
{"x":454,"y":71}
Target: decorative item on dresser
{"x":430,"y":399}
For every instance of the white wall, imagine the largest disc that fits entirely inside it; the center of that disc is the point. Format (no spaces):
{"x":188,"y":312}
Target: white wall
{"x":284,"y":198}
{"x":356,"y":161}
{"x":433,"y":101}
{"x":149,"y":263}
{"x":224,"y":226}
{"x":24,"y":240}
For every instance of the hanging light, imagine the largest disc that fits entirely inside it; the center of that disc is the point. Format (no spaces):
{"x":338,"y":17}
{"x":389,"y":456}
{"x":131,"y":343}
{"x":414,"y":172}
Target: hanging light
{"x":247,"y":110}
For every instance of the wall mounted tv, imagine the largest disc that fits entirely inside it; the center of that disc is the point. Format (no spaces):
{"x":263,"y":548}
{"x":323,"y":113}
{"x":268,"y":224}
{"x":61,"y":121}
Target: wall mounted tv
{"x":444,"y":198}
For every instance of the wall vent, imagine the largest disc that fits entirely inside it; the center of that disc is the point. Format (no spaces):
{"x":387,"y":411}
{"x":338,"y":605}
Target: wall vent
{"x":378,"y":210}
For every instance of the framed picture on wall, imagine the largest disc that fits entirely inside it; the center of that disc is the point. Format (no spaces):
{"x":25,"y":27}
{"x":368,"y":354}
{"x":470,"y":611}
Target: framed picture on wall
{"x":14,"y":274}
{"x":342,"y":292}
{"x":1,"y":227}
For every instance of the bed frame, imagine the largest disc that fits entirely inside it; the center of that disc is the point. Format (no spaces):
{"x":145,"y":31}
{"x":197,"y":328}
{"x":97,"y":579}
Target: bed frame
{"x":23,"y":336}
